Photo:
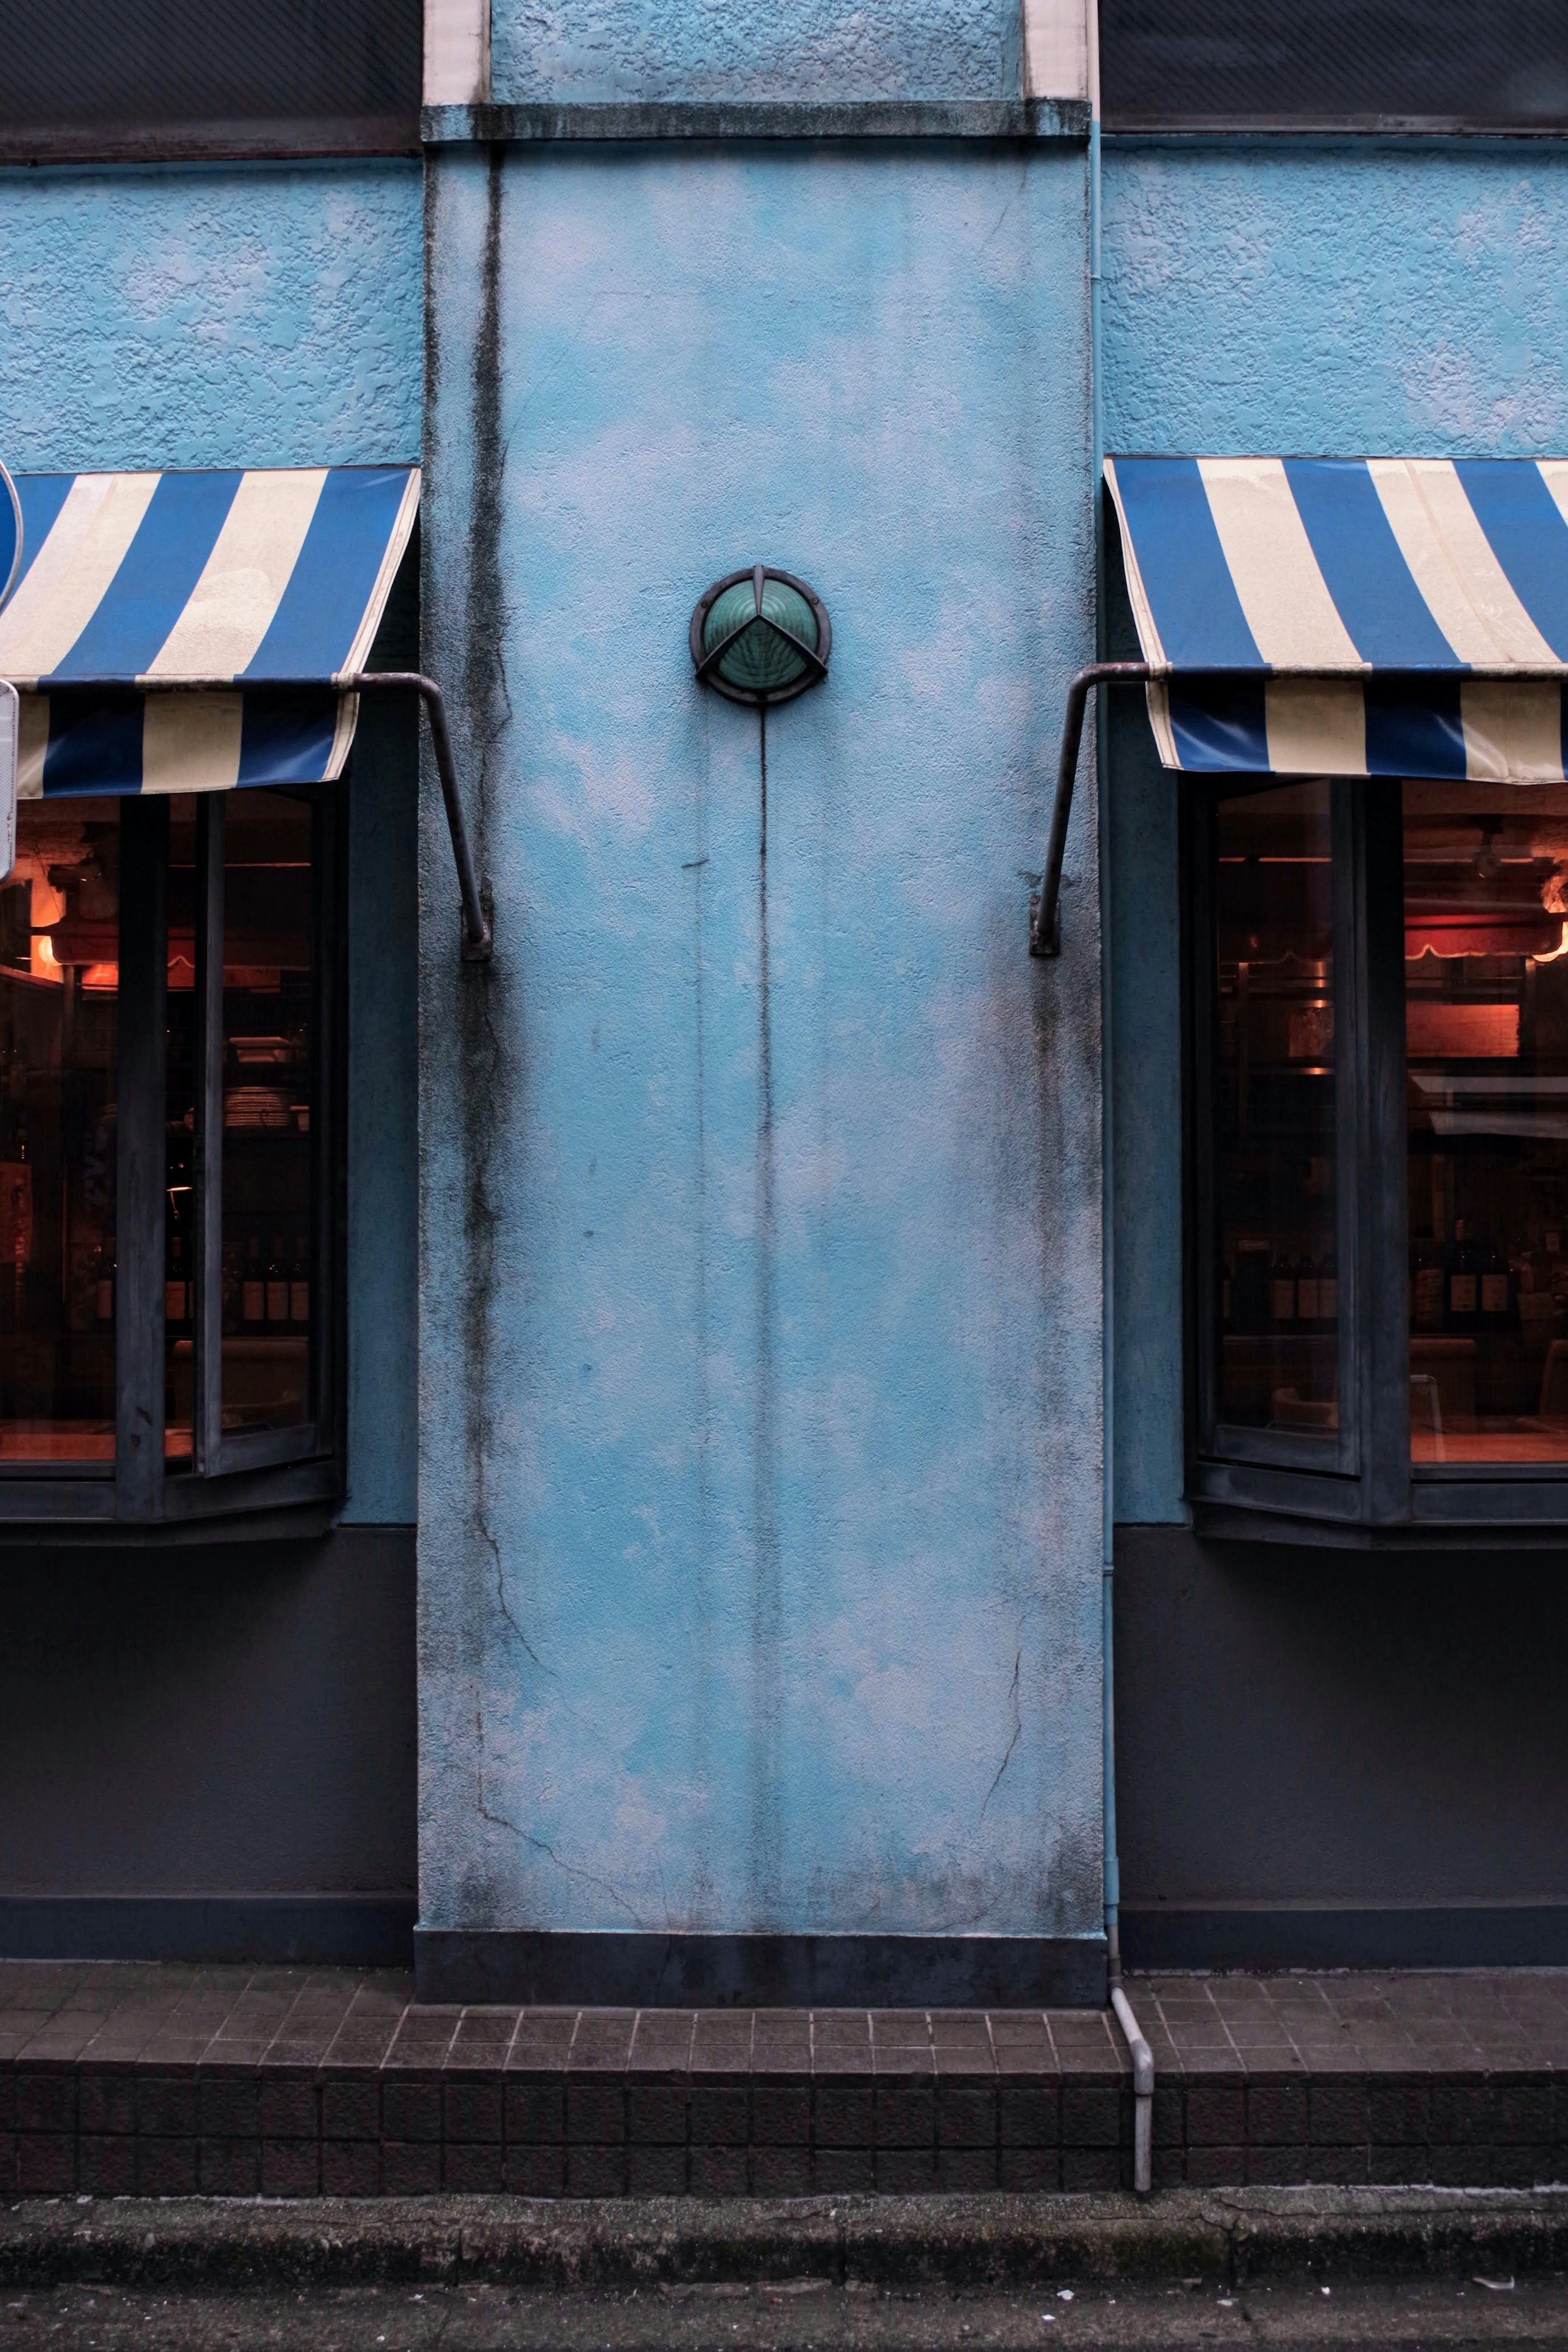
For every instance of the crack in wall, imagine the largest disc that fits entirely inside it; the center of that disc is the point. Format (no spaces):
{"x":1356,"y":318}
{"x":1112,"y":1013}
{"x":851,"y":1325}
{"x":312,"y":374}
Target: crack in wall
{"x":488,"y":1812}
{"x":1017,"y":1728}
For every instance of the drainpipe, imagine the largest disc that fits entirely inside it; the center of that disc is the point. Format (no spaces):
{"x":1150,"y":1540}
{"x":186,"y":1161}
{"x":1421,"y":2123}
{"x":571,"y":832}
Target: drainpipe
{"x":1137,"y":2047}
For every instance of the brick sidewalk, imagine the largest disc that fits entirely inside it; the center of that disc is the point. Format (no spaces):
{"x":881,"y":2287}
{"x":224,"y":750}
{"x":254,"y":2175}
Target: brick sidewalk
{"x":121,"y":2079}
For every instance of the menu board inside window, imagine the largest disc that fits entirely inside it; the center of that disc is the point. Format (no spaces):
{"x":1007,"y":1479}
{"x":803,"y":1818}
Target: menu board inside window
{"x":1486,"y":994}
{"x":1277,"y":1263}
{"x":59,"y":945}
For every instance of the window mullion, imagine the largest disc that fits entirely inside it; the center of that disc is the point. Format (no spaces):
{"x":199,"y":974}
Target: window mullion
{"x":206,"y":1435}
{"x":142,"y":1150}
{"x":1381,"y":1318}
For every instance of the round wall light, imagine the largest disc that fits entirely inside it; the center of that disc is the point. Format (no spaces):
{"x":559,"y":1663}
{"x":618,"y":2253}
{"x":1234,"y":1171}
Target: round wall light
{"x":760,"y":636}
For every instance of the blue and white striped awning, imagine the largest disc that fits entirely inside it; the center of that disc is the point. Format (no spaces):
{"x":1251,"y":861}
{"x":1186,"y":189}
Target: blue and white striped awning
{"x":1353,"y":616}
{"x":274,"y":580}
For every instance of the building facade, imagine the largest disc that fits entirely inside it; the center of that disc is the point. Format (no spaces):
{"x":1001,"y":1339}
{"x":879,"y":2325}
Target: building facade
{"x":803,"y":1453}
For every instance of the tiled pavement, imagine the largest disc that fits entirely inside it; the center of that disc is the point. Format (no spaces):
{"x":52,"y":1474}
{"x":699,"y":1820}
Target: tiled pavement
{"x":119,"y":2079}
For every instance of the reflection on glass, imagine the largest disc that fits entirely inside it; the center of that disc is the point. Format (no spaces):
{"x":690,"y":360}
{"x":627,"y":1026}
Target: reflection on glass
{"x":180,"y":1082}
{"x":1278,"y":1269}
{"x":1486,"y":997}
{"x":59,"y":947}
{"x":267,"y":1256}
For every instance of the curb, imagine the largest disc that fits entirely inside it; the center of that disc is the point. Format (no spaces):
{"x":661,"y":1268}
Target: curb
{"x":992,"y":2241}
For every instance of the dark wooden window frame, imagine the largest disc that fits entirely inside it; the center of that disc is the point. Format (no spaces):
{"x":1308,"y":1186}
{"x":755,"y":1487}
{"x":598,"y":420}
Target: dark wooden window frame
{"x":1249,"y":1482}
{"x":273,"y":1478}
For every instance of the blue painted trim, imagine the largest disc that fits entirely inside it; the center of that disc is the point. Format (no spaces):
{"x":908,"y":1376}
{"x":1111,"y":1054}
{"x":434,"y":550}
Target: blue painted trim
{"x":984,"y":119}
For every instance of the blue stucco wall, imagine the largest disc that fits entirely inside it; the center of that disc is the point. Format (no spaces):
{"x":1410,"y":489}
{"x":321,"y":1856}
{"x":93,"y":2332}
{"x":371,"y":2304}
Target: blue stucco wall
{"x":1349,"y":299}
{"x":568,"y":50}
{"x":260,"y":316}
{"x":759,"y":1481}
{"x":210,"y":316}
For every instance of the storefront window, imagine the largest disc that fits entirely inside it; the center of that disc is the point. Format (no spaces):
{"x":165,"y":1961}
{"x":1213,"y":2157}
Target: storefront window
{"x":58,"y":1003}
{"x":1276,"y":1265}
{"x":178,"y":1029}
{"x":1486,"y":991}
{"x":1380,"y":1153}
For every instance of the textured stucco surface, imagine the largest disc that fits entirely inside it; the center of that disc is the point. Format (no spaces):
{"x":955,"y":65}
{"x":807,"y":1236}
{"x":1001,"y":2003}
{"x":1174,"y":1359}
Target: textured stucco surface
{"x":759,"y":1482}
{"x":210,"y":316}
{"x":1349,"y":300}
{"x":606,"y":50}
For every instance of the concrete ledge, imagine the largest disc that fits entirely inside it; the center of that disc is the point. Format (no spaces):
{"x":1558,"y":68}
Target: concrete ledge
{"x":902,"y":2241}
{"x":611,"y":1971}
{"x":1030,"y":120}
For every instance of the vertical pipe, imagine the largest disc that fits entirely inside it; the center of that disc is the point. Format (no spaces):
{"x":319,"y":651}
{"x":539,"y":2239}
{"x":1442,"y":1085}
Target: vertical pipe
{"x":1107,"y":1237}
{"x":1137,"y":2046}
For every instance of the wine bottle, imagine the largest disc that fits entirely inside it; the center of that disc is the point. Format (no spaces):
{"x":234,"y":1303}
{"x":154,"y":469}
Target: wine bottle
{"x":1462,"y":1281}
{"x":103,"y":1283}
{"x":1494,"y":1288}
{"x":1328,"y":1290}
{"x":252,"y":1289}
{"x":1307,"y":1306}
{"x":277,"y":1284}
{"x":1282,"y":1293}
{"x":177,"y":1286}
{"x":300,"y":1285}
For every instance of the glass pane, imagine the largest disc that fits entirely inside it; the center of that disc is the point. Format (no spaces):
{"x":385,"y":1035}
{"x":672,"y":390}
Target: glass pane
{"x":1274,"y":1103}
{"x":1486,"y":1009}
{"x":268,"y":1065}
{"x":180,"y":1079}
{"x":60,"y":948}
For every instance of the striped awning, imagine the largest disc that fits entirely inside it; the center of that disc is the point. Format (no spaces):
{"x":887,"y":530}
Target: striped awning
{"x":275,"y":581}
{"x":1354,"y":616}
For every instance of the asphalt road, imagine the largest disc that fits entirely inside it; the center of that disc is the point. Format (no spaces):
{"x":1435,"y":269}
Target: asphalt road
{"x":1450,"y":2314}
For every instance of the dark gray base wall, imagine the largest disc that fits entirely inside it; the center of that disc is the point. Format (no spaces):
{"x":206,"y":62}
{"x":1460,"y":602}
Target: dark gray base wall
{"x":208,"y":1753}
{"x":713,"y":1971}
{"x":1328,"y":1761}
{"x":366,"y":1931}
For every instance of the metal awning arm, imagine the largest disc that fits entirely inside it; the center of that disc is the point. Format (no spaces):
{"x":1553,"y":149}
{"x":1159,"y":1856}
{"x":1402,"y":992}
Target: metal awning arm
{"x":477,"y":942}
{"x":476,"y":937}
{"x":1045,"y":904}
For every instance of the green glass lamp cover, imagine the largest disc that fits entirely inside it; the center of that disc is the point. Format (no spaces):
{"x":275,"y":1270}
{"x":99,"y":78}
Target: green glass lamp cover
{"x":760,"y":636}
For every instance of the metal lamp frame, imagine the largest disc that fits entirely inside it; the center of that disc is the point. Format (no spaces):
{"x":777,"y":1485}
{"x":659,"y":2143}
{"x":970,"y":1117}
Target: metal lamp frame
{"x":761,"y":697}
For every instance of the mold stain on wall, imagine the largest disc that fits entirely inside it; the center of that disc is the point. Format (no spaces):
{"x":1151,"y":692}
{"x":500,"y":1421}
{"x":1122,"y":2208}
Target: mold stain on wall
{"x":760,"y":1575}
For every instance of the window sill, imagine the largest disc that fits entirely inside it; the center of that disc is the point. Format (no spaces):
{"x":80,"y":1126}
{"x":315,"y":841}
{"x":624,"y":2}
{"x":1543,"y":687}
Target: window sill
{"x":1261,"y":1523}
{"x":297,"y":1498}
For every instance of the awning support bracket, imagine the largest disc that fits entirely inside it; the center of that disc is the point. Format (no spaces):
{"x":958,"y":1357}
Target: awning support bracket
{"x":1045,"y":904}
{"x":477,"y":942}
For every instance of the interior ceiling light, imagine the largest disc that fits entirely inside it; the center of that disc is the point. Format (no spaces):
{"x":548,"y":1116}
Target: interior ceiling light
{"x":760,"y":636}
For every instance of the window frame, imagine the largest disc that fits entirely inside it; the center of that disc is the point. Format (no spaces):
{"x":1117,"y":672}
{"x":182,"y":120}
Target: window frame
{"x":284,"y":1473}
{"x":1247,"y":1481}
